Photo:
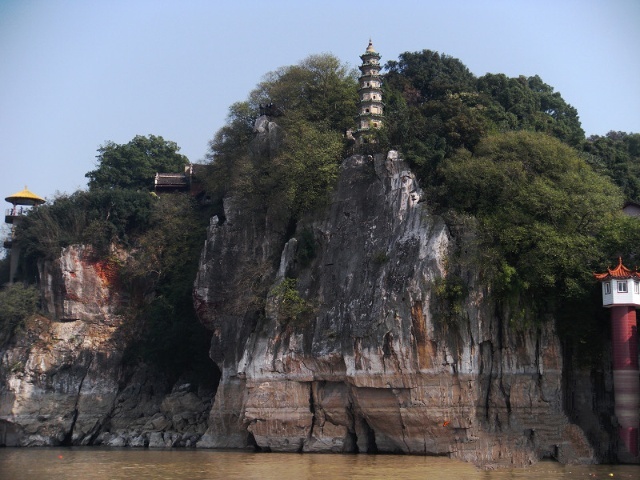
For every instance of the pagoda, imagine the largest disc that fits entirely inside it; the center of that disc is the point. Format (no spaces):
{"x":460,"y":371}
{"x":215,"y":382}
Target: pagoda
{"x":370,"y":91}
{"x":621,"y":294}
{"x":21,"y":203}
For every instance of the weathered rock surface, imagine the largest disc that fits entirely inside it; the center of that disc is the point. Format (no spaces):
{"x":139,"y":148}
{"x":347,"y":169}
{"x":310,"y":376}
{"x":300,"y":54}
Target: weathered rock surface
{"x":372,"y":366}
{"x":63,"y":381}
{"x":372,"y":369}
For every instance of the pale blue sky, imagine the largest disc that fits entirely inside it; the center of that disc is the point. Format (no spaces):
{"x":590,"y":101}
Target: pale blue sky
{"x":77,"y":73}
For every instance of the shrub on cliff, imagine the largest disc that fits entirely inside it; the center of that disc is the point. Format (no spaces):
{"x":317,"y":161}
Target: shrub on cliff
{"x":291,"y":308}
{"x":17,"y":302}
{"x":96,"y":217}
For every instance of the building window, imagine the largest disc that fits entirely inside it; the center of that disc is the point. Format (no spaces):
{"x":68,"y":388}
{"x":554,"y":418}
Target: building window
{"x":622,"y":287}
{"x":636,"y":287}
{"x":607,"y":288}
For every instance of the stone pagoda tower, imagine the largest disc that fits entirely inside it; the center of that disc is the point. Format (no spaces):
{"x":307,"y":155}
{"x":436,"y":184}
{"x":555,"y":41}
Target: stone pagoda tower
{"x":371,"y":107}
{"x":21,"y":202}
{"x":621,"y":294}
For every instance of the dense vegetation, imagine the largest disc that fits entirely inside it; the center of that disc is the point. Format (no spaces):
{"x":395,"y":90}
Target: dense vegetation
{"x":509,"y":156}
{"x":316,"y":101}
{"x":18,"y":301}
{"x":617,"y":155}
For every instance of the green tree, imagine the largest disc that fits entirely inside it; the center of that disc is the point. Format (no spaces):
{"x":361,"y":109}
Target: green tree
{"x":320,"y":89}
{"x":318,"y":100}
{"x":427,"y":75}
{"x":617,"y":155}
{"x":96,"y":217}
{"x":543,"y":211}
{"x":134,"y":164}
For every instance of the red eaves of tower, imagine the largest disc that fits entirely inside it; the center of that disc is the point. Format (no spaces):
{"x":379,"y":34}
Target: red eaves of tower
{"x":619,"y":272}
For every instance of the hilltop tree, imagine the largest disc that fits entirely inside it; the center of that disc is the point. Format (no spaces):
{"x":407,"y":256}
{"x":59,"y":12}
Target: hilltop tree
{"x":534,"y":105}
{"x":318,"y":101}
{"x":542,"y":209}
{"x":320,"y":89}
{"x":617,"y":155}
{"x":435,"y":106}
{"x":133,"y":165}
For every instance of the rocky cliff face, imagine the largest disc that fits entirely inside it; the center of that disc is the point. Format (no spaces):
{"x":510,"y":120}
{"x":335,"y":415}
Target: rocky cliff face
{"x":375,"y":363}
{"x":371,"y":368}
{"x":63,"y":379}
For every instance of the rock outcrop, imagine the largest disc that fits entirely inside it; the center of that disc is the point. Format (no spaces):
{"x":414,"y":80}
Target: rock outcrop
{"x":378,"y":360}
{"x":371,"y":368}
{"x":64,"y":379}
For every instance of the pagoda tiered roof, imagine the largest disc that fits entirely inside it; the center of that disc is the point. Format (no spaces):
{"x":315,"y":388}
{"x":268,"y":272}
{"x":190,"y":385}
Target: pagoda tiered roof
{"x":620,"y":272}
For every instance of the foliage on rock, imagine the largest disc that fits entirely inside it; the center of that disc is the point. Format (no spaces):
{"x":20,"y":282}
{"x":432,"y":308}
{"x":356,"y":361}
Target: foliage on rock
{"x":159,"y":275}
{"x":542,"y":212}
{"x":291,"y":308}
{"x":133,"y":165}
{"x":450,"y":293}
{"x":316,"y":101}
{"x":96,"y":217}
{"x":17,"y":302}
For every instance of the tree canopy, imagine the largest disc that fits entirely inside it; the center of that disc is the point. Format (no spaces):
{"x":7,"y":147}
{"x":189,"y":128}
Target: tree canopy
{"x":542,"y":209}
{"x":435,"y":105}
{"x":133,"y":165}
{"x":318,"y":100}
{"x":617,"y":155}
{"x":320,"y":89}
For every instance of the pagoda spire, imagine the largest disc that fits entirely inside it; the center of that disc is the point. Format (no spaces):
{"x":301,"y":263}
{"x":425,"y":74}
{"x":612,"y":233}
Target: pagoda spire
{"x":370,"y":91}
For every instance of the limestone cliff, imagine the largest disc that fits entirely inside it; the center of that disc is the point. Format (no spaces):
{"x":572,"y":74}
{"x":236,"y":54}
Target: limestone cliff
{"x":64,"y":381}
{"x":371,"y":368}
{"x":375,"y":363}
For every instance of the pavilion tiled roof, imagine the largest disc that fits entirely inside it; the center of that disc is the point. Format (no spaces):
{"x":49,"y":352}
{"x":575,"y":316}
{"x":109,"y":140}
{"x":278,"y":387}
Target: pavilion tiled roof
{"x":620,"y":272}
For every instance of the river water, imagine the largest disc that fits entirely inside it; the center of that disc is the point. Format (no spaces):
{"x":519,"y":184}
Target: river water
{"x":114,"y":464}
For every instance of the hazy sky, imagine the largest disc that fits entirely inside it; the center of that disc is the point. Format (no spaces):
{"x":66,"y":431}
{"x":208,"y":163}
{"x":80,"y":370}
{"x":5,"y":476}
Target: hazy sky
{"x":77,"y":73}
